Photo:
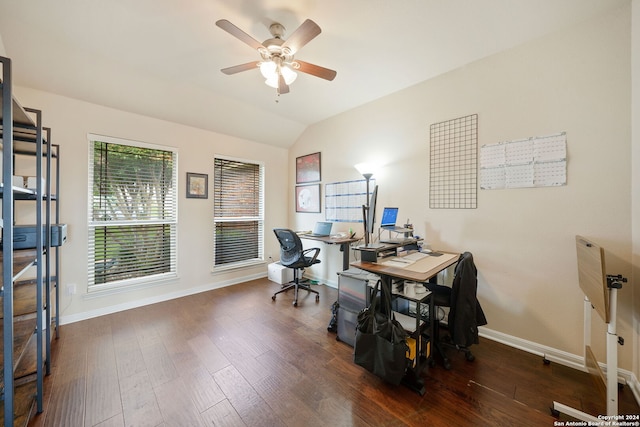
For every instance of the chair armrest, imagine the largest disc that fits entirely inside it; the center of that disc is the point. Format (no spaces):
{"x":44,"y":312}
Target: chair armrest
{"x":315,"y":255}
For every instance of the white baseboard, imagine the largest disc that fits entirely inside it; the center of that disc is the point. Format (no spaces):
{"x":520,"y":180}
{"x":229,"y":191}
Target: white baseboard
{"x":155,"y":299}
{"x":559,"y":356}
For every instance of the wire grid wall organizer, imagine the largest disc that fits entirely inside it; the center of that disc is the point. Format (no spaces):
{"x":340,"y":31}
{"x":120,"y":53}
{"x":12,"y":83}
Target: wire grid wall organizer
{"x":453,"y":169}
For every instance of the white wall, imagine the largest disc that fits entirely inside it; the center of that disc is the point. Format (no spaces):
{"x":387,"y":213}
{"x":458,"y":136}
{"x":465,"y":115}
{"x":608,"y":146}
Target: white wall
{"x":635,"y":209}
{"x":72,"y":120}
{"x":523,"y":240}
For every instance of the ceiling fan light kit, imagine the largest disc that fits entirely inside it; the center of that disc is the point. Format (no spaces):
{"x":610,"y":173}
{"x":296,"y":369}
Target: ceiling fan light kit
{"x":272,"y":70}
{"x":278,"y":64}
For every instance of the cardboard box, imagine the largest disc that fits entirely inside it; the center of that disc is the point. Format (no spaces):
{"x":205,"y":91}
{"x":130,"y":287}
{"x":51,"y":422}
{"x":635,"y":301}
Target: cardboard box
{"x":18,"y":181}
{"x":278,"y":273}
{"x":32,"y":183}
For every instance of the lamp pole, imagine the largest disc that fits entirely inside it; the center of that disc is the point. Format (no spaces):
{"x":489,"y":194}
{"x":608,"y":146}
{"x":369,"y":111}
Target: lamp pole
{"x":367,"y":176}
{"x":367,"y":171}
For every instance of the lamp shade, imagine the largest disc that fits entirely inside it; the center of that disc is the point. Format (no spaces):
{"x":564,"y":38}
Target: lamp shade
{"x":366,"y":169}
{"x":270,"y":69}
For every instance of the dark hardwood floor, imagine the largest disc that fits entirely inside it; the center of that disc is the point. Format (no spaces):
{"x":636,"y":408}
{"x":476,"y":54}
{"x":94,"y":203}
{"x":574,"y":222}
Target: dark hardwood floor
{"x":234,"y":357}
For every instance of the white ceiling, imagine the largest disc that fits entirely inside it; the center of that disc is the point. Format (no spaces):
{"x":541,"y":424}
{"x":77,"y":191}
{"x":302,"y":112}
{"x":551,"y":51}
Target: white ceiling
{"x":162,"y":58}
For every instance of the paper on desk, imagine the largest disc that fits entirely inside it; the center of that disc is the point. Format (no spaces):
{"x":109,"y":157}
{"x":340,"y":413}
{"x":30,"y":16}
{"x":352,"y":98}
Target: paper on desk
{"x":427,"y":263}
{"x":416,"y":256}
{"x":398,"y":262}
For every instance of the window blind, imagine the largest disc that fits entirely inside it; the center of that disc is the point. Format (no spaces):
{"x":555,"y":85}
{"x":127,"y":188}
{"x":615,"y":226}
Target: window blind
{"x":238,"y":212}
{"x":132,"y":214}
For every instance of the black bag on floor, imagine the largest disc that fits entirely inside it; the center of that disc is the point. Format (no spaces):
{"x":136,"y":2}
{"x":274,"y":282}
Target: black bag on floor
{"x":381,"y":341}
{"x":333,"y":323}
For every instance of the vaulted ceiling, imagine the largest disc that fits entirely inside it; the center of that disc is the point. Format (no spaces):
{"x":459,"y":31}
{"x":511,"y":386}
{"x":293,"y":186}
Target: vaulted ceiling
{"x":162,"y":58}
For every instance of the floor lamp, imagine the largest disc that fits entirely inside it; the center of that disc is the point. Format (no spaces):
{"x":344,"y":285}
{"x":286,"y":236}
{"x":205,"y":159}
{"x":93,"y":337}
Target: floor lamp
{"x":367,"y":172}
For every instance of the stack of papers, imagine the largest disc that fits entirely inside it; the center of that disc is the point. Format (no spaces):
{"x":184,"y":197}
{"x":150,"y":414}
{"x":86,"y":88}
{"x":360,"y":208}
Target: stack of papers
{"x":416,"y":256}
{"x":405,"y":261}
{"x":398,"y":262}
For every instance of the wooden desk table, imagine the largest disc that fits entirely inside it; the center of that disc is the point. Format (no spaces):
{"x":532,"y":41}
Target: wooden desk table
{"x":418,"y":271}
{"x":344,"y":243}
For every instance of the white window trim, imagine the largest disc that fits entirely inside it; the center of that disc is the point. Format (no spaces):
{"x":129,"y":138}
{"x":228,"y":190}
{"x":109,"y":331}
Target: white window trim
{"x":253,"y":262}
{"x":140,"y":282}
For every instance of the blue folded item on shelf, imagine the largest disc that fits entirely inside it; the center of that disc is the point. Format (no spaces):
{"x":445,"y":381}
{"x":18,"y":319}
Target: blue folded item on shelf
{"x":24,"y":236}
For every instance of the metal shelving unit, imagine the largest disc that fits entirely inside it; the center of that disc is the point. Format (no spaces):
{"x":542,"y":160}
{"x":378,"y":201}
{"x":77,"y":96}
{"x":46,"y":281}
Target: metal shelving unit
{"x":26,"y":305}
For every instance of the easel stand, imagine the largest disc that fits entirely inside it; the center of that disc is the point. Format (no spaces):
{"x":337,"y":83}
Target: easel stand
{"x":601,"y":294}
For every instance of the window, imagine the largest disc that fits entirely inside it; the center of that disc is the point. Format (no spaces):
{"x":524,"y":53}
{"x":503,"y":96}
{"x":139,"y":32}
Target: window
{"x":238,"y":210}
{"x":132,"y":213}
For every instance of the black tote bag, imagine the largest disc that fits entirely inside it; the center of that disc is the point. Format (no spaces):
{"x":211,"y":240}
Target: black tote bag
{"x":381,"y":342}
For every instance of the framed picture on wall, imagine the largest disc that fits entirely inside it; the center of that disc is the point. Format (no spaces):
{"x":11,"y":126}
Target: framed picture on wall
{"x":197,"y":185}
{"x":308,"y":168}
{"x":308,"y":198}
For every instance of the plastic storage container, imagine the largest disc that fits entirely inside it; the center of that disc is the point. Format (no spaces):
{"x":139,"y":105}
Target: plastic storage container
{"x":352,"y":298}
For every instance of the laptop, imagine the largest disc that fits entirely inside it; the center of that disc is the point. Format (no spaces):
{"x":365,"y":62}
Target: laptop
{"x":389,"y":218}
{"x":322,"y":229}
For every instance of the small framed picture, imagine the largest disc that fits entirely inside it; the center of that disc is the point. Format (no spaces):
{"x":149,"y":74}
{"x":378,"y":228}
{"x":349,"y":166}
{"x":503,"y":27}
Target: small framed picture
{"x":308,"y":198}
{"x":308,"y":168}
{"x":197,"y":185}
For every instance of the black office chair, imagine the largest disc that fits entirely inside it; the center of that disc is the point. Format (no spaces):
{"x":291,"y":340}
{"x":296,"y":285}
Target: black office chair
{"x":294,"y":256}
{"x":465,"y":312}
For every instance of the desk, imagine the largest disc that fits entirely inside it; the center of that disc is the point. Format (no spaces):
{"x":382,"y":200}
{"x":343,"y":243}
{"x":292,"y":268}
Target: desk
{"x":419,"y":271}
{"x":344,"y":243}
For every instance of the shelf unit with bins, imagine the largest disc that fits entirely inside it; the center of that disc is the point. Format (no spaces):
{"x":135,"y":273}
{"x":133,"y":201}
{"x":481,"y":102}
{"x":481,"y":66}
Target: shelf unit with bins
{"x":406,"y":306}
{"x":408,"y":310}
{"x":26,"y":300}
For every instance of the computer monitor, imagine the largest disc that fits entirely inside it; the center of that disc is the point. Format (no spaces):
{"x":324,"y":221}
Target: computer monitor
{"x":371,"y":214}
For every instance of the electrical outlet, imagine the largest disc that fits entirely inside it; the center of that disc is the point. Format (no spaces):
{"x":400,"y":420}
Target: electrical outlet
{"x":71,"y":289}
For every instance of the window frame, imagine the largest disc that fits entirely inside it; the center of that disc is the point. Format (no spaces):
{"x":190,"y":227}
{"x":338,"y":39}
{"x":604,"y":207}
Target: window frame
{"x":171,"y":220}
{"x":259,"y":259}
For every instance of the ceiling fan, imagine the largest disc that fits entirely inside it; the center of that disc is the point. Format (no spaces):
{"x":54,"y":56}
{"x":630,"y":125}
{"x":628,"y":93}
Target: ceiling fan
{"x":278,"y":65}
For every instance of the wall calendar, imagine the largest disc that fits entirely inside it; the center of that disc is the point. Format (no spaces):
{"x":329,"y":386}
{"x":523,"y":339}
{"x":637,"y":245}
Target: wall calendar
{"x":539,"y":161}
{"x":344,"y":200}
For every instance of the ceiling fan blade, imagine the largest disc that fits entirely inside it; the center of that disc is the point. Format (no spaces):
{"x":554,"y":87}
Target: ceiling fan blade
{"x":238,"y":33}
{"x":302,"y":35}
{"x":242,"y":67}
{"x":316,"y":70}
{"x":282,"y":85}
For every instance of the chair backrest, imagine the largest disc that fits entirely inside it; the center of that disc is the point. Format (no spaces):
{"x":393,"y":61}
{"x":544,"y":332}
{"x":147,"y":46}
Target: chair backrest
{"x":465,"y":314}
{"x":465,"y":282}
{"x":290,"y":246}
{"x":465,"y":261}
